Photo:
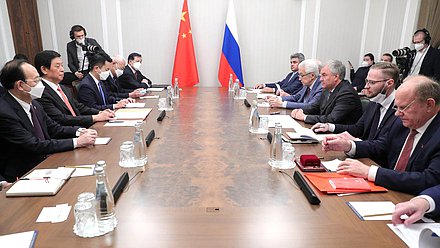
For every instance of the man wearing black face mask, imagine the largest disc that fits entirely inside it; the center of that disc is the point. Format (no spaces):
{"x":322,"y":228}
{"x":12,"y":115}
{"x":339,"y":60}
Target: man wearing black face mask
{"x":379,"y":114}
{"x":427,"y":59}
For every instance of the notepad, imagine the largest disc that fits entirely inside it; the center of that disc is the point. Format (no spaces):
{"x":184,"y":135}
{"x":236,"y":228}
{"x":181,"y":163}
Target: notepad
{"x":19,"y":240}
{"x":263,"y":105}
{"x":285,"y":120}
{"x":364,"y":208}
{"x":132,"y":114}
{"x":102,"y":140}
{"x":418,"y":234}
{"x":135,"y":105}
{"x":331,"y":165}
{"x":150,"y":97}
{"x":121,"y":124}
{"x":155,"y":89}
{"x":82,"y":170}
{"x":264,"y":95}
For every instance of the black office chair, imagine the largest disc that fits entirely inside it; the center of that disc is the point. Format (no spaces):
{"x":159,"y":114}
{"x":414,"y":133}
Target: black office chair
{"x":364,"y":103}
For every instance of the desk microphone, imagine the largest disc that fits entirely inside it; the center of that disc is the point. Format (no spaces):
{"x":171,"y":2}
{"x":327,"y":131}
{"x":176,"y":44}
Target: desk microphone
{"x":150,"y":137}
{"x":161,"y":115}
{"x":269,"y":137}
{"x":246,"y":103}
{"x":120,"y":186}
{"x":305,"y":188}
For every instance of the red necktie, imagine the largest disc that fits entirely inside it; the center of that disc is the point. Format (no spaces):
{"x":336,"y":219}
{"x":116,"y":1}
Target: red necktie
{"x":406,"y":152}
{"x":66,"y":101}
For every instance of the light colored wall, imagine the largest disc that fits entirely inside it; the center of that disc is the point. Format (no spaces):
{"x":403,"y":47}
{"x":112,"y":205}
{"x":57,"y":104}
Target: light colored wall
{"x":269,"y":31}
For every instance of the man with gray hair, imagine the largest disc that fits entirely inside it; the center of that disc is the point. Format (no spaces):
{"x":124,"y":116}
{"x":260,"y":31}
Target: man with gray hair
{"x":291,"y":84}
{"x":339,"y":102}
{"x":310,"y":93}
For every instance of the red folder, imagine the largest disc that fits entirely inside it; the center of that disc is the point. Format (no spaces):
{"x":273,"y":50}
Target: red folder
{"x":321,"y":180}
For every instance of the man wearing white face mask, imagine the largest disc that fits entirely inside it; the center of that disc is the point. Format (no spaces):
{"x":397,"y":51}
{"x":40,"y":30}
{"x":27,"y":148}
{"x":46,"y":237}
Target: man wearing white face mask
{"x":379,"y":114}
{"x":358,"y":78}
{"x":92,"y":91}
{"x":427,"y":59}
{"x":132,"y":77}
{"x":27,"y":134}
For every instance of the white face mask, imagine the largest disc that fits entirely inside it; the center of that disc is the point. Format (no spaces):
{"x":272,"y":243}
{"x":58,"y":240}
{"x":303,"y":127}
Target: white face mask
{"x":137,"y":66}
{"x":104,"y":75}
{"x":80,"y":41}
{"x":419,"y":46}
{"x":379,"y":98}
{"x":36,"y":91}
{"x":364,"y":64}
{"x":119,"y":72}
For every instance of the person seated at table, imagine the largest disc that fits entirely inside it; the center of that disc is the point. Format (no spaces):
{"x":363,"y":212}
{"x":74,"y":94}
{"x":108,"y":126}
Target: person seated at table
{"x":428,"y":202}
{"x":57,"y":100}
{"x":339,"y":102}
{"x":411,"y":148}
{"x":91,"y":90}
{"x":116,"y":69}
{"x":379,"y":114}
{"x":310,"y":93}
{"x":27,"y":134}
{"x":132,"y":77}
{"x":290,"y":85}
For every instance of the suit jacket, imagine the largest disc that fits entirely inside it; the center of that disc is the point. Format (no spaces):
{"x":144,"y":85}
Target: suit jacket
{"x":72,"y":56}
{"x":291,"y":85}
{"x":358,"y":78}
{"x":115,"y":90}
{"x":434,"y":193}
{"x":300,"y":100}
{"x":21,"y":149}
{"x":342,"y":106}
{"x":128,"y":80}
{"x":431,"y":64}
{"x":88,"y":93}
{"x":57,"y":110}
{"x":423,"y":168}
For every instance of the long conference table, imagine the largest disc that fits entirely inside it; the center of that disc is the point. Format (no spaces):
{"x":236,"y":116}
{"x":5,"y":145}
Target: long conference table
{"x":207,"y":184}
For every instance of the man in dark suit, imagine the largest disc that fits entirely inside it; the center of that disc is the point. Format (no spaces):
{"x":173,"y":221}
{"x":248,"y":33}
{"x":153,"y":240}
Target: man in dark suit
{"x":27,"y":134}
{"x":379,"y":114}
{"x":289,"y":85}
{"x":117,"y":68}
{"x":57,"y":100}
{"x":358,"y":78}
{"x":339,"y":102}
{"x":310,"y":93}
{"x":427,"y":59}
{"x":411,"y":148}
{"x":92,"y":91}
{"x":132,"y":77}
{"x":428,"y":202}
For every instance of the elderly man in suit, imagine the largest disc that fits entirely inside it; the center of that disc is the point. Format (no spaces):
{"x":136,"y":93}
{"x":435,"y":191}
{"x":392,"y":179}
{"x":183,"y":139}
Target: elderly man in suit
{"x":310,"y":93}
{"x":27,"y":134}
{"x":339,"y":102}
{"x":57,"y":100}
{"x":132,"y":77}
{"x":290,"y":85}
{"x":411,"y":148}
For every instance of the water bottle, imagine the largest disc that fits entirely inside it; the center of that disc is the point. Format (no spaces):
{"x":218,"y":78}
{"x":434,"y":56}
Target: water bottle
{"x":140,"y":156}
{"x":231,"y":83}
{"x":237,"y":89}
{"x":169,"y":102}
{"x":176,"y":89}
{"x":254,"y":118}
{"x":276,"y":149}
{"x":105,"y":205}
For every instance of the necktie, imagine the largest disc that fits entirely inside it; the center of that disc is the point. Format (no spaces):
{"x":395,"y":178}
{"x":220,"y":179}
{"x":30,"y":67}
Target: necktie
{"x":406,"y":152}
{"x":102,"y":93}
{"x":66,"y":101}
{"x":306,"y":95}
{"x":37,"y":126}
{"x":375,"y":122}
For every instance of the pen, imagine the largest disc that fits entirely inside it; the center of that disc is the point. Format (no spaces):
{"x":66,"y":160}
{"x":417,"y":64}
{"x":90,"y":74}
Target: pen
{"x":374,"y":215}
{"x":78,"y":166}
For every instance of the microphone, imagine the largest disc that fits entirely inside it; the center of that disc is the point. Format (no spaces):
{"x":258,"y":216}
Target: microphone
{"x":246,"y":103}
{"x":120,"y":186}
{"x":269,"y":137}
{"x":161,"y":115}
{"x":150,"y":137}
{"x":305,"y":188}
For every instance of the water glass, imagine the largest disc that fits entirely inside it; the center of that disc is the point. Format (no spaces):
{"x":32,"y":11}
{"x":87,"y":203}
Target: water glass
{"x":162,"y":103}
{"x":86,"y":223}
{"x":126,"y":155}
{"x":288,"y":156}
{"x":243,"y":93}
{"x":264,"y":125}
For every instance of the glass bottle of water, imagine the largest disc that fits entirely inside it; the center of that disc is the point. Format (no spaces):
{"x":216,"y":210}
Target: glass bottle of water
{"x":140,"y":156}
{"x":105,"y":205}
{"x":276,"y":149}
{"x":231,"y":83}
{"x":254,"y":118}
{"x":169,"y":102}
{"x":176,"y":89}
{"x":237,"y":89}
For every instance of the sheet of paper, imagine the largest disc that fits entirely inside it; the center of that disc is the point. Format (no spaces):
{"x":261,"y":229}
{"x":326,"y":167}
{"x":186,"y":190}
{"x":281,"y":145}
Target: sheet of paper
{"x":155,"y":89}
{"x":121,"y":124}
{"x":135,"y":105}
{"x":132,"y":114}
{"x":263,"y":105}
{"x":264,"y":95}
{"x":150,"y":97}
{"x":331,"y":165}
{"x":102,"y":140}
{"x":83,"y":170}
{"x":373,"y":208}
{"x":285,"y":120}
{"x":254,"y":91}
{"x":19,"y":240}
{"x":56,"y":214}
{"x":411,"y":235}
{"x":59,"y":173}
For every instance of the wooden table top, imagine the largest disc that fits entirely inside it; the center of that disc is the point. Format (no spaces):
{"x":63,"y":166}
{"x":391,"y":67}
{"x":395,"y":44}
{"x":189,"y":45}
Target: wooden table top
{"x":207,"y":184}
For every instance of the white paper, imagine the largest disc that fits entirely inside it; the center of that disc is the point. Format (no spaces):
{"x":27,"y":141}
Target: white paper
{"x":121,"y":124}
{"x":415,"y":234}
{"x":263,"y":105}
{"x":331,"y":165}
{"x":83,"y":170}
{"x":373,"y":207}
{"x":254,"y":91}
{"x":264,"y":95}
{"x":135,"y":105}
{"x":149,"y":97}
{"x":58,"y":173}
{"x":56,"y":214}
{"x":285,"y":120}
{"x":102,"y":140}
{"x":132,"y":114}
{"x":18,"y":240}
{"x":155,"y":89}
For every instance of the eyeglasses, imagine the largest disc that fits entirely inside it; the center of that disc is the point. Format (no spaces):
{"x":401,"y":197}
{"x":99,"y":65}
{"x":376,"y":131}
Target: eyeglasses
{"x":303,"y":75}
{"x":372,"y":82}
{"x":402,"y":110}
{"x":36,"y":80}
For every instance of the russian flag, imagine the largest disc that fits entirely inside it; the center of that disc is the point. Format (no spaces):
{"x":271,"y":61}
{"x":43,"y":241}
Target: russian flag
{"x":230,"y":60}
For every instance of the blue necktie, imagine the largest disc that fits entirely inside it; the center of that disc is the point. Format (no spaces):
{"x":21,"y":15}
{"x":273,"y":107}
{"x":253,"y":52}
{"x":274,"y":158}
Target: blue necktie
{"x":102,"y":93}
{"x":38,"y":130}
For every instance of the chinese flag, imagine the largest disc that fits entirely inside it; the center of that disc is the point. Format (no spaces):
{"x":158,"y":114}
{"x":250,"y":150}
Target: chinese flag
{"x":185,"y":66}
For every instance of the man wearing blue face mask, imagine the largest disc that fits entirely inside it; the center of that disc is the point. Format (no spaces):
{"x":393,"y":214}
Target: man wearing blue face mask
{"x":358,"y":78}
{"x":132,"y":77}
{"x":27,"y":134}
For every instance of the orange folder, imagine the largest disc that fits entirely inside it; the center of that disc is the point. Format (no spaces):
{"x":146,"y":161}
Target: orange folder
{"x":321,"y":181}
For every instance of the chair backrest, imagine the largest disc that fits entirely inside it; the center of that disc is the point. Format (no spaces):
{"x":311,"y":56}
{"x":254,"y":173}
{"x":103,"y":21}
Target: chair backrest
{"x":364,"y":103}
